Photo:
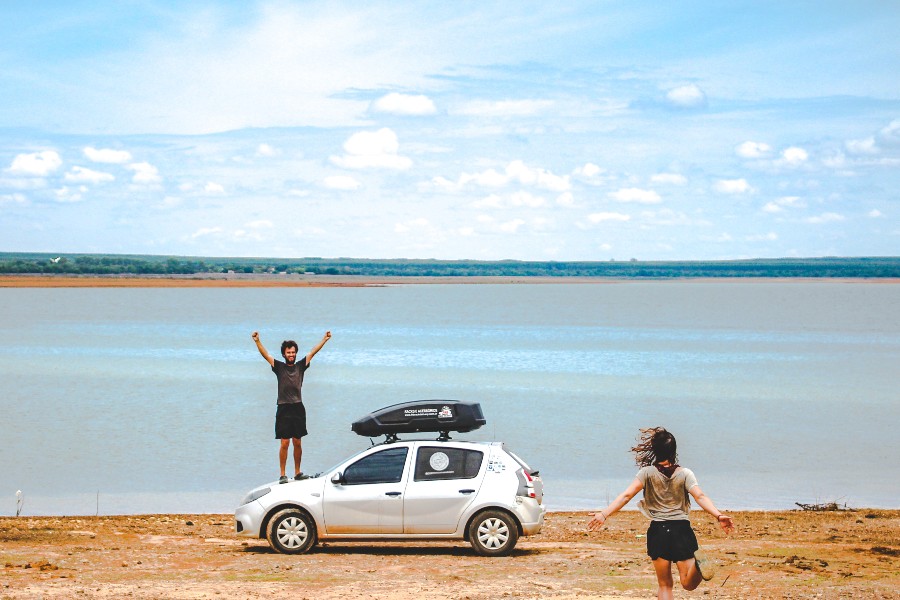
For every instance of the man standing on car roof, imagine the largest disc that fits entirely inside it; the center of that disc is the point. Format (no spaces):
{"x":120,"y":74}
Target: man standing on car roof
{"x":290,"y":417}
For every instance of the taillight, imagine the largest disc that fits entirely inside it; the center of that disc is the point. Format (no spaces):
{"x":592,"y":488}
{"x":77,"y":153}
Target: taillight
{"x":529,"y":483}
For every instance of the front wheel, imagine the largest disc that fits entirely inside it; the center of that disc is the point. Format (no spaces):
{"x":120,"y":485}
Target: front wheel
{"x":493,"y":533}
{"x":291,"y":531}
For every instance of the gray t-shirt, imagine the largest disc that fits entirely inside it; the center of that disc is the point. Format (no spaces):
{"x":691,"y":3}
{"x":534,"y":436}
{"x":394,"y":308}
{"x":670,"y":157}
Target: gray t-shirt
{"x":666,"y":498}
{"x":290,"y":379}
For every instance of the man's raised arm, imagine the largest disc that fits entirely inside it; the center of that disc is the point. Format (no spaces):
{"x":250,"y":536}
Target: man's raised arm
{"x":262,"y":349}
{"x":318,"y":347}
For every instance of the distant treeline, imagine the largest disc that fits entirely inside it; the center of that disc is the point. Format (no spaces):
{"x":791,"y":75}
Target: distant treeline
{"x":103,"y":264}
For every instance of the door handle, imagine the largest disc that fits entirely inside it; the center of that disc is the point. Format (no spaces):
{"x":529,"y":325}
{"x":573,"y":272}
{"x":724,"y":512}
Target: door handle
{"x":467,"y":491}
{"x":393,"y":494}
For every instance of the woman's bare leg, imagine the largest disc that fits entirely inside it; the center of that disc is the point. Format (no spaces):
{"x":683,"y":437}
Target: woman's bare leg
{"x":663,"y":570}
{"x":689,"y":574}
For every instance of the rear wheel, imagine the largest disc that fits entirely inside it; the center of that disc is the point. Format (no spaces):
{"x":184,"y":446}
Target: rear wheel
{"x":493,"y":533}
{"x":291,"y":531}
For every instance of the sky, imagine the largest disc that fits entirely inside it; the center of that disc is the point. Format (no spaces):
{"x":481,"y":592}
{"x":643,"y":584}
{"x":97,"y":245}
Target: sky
{"x":580,"y":130}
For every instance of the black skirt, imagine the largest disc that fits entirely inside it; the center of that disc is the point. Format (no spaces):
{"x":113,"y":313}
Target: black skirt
{"x":290,"y":421}
{"x":671,"y":540}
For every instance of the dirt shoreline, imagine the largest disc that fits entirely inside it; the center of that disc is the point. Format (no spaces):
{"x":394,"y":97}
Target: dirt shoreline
{"x":785,"y":554}
{"x":241,"y":280}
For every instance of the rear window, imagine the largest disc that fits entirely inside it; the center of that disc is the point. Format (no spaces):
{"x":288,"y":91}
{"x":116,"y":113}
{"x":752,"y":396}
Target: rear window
{"x":517,"y":459}
{"x":436,"y":463}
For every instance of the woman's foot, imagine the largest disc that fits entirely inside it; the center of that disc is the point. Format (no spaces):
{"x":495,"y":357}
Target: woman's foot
{"x":705,"y":564}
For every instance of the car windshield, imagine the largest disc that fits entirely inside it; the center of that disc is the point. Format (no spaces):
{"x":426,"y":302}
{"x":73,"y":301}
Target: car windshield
{"x":342,"y":461}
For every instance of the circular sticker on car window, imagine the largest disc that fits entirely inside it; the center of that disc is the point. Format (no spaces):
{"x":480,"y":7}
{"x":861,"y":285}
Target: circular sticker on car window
{"x":439,"y":461}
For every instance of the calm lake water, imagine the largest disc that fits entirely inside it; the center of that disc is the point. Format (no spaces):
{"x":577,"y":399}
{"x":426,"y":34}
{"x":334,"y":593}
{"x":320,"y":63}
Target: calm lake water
{"x":156,"y":400}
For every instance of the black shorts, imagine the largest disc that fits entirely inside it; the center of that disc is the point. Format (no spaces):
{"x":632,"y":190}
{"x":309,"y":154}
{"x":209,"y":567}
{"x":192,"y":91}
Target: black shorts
{"x":671,"y":540}
{"x":290,"y":421}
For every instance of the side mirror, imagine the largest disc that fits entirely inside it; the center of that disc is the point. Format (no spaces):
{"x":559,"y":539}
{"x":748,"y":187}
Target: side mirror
{"x":337,"y":478}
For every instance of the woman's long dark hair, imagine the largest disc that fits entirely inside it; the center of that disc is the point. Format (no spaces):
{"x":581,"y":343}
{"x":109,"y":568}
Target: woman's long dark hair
{"x":655,"y":445}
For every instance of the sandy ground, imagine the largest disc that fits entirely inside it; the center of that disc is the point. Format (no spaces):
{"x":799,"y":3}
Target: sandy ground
{"x":212,"y":280}
{"x":793,"y":554}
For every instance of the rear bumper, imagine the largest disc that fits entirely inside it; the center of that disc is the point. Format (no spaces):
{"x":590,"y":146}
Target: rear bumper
{"x":531,"y":516}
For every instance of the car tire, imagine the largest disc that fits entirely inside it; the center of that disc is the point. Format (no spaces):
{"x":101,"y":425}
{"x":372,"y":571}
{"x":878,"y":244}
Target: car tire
{"x":493,"y":533}
{"x":291,"y":531}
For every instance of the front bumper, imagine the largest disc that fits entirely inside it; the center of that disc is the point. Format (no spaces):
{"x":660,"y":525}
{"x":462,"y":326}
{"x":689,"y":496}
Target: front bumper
{"x":248,"y":519}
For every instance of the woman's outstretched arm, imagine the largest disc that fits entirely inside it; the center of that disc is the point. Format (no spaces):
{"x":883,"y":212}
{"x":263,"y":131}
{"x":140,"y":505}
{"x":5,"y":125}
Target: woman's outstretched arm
{"x":620,"y":501}
{"x":706,"y":504}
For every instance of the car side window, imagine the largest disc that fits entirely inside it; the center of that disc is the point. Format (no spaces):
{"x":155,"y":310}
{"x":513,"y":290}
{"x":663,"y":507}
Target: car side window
{"x":382,"y":467}
{"x":435,"y":463}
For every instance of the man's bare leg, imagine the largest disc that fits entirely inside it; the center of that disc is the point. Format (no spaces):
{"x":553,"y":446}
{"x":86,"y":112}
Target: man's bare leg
{"x":282,"y":454}
{"x":298,"y":455}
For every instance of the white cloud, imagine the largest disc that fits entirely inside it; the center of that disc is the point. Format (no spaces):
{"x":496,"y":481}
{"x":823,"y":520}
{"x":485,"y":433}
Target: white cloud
{"x":608,"y":216}
{"x":866,"y":146}
{"x":107,"y":155}
{"x":441,"y":183}
{"x":511,"y":226}
{"x":372,"y":149}
{"x":266,"y":150}
{"x":668,"y":217}
{"x":489,"y":178}
{"x":565,"y":199}
{"x":514,"y":200}
{"x":144,"y":173}
{"x":213,"y":188}
{"x":64,"y":194}
{"x":526,"y":199}
{"x":753,"y":150}
{"x":515,"y":172}
{"x":762,"y":237}
{"x":890,"y":135}
{"x":593,"y":175}
{"x":828,"y":217}
{"x":875,"y":213}
{"x":669,"y":178}
{"x":418,"y":224}
{"x":779,"y":205}
{"x":404,"y":104}
{"x":341,"y":182}
{"x":504,"y":108}
{"x":543,"y":179}
{"x":794,"y":155}
{"x":732,"y":186}
{"x":82,"y":175}
{"x":14,"y":198}
{"x":589,"y":170}
{"x":687,"y":96}
{"x":36,"y":164}
{"x":636,"y":195}
{"x":206,"y":231}
{"x":492,"y":201}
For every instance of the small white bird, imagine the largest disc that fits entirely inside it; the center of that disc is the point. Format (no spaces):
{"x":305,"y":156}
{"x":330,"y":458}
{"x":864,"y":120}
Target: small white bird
{"x":56,"y":260}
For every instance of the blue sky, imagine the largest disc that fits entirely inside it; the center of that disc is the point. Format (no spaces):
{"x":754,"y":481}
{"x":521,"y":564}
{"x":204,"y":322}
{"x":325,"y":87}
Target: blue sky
{"x":586,"y":131}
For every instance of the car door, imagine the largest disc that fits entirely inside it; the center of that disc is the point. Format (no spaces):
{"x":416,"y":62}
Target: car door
{"x":368,"y":498}
{"x":444,"y":480}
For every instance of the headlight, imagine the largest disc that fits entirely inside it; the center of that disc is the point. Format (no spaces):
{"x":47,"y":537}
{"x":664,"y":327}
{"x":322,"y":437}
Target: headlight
{"x":255,"y":495}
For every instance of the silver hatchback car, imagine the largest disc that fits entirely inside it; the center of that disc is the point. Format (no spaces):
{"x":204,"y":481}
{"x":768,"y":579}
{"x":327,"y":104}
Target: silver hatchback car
{"x":406,"y":489}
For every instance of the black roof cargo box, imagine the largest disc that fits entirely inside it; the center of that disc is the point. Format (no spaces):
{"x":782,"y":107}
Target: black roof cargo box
{"x":421,"y":415}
